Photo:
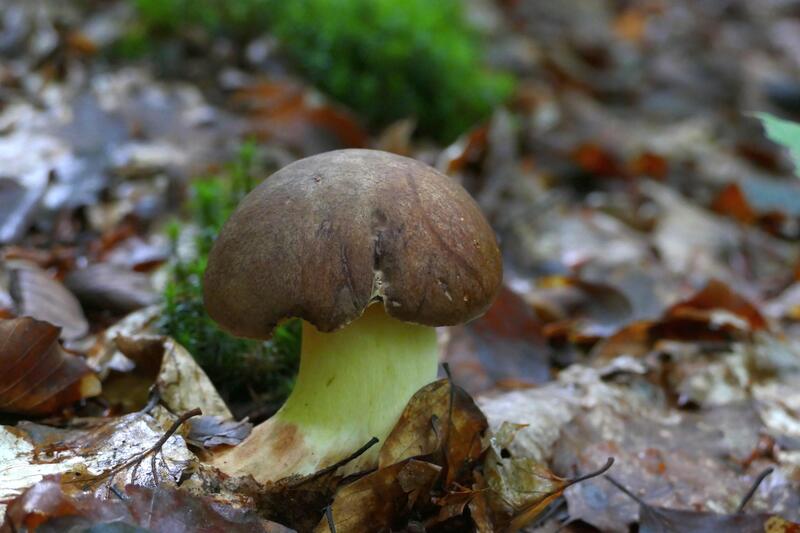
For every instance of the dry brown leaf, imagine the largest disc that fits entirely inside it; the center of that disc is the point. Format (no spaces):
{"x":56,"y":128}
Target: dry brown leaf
{"x":40,"y":296}
{"x":426,"y":427}
{"x":374,"y":502}
{"x":46,"y":508}
{"x":718,"y":296}
{"x":505,"y":347}
{"x":283,"y":110}
{"x":519,"y":487}
{"x":732,"y":202}
{"x":38,"y":376}
{"x":106,"y":287}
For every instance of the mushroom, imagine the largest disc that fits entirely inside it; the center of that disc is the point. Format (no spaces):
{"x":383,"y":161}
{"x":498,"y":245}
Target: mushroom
{"x":372,"y":251}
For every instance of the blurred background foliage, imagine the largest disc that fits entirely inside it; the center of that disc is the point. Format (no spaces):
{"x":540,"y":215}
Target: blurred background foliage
{"x":387,"y":60}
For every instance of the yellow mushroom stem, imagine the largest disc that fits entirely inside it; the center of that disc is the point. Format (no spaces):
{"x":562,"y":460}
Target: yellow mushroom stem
{"x":353,"y":385}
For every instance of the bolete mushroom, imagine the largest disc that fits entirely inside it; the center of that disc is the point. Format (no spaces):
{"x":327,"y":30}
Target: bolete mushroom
{"x":372,"y":251}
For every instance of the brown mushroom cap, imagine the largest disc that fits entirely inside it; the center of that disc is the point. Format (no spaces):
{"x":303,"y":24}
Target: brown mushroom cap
{"x":323,"y":237}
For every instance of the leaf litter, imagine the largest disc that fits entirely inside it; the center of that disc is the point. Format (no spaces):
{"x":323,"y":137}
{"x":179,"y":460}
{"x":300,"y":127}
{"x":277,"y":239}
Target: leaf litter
{"x":650,"y":314}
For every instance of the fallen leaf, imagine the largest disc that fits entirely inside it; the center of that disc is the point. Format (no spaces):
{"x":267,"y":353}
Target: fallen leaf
{"x":106,"y":287}
{"x":46,"y":508}
{"x":212,"y":431}
{"x":38,"y":376}
{"x":182,"y":385}
{"x":375,"y":501}
{"x":441,"y":418}
{"x":519,"y":487}
{"x":653,"y":519}
{"x":505,"y":344}
{"x":99,"y":456}
{"x":716,"y":295}
{"x":40,"y":296}
{"x":732,"y":202}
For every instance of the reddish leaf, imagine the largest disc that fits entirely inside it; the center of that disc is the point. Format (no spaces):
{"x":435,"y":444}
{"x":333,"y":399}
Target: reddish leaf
{"x":284,"y":110}
{"x":597,"y":160}
{"x":38,"y":376}
{"x":505,"y":347}
{"x":732,"y":202}
{"x":718,"y":296}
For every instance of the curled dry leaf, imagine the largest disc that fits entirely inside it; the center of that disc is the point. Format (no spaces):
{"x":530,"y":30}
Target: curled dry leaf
{"x":718,"y":296}
{"x":715,"y":314}
{"x":519,"y":487}
{"x":158,"y":360}
{"x":424,"y":466}
{"x":441,"y":418}
{"x":38,"y":376}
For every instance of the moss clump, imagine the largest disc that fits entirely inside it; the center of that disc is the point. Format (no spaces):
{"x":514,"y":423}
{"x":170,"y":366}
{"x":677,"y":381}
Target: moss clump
{"x":243,"y":370}
{"x":387,"y":59}
{"x":390,"y":60}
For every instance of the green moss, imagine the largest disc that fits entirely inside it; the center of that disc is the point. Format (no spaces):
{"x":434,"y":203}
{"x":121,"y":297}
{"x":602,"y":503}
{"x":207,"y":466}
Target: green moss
{"x":391,"y":60}
{"x":386,"y":59}
{"x":242,"y":369}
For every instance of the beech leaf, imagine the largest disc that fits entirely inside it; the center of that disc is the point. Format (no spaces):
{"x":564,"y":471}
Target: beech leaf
{"x":38,"y":376}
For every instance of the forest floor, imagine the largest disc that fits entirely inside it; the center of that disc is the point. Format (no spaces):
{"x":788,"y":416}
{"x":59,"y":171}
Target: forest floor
{"x":650,"y":310}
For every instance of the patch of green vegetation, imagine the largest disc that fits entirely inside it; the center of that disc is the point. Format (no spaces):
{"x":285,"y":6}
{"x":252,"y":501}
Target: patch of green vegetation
{"x":386,"y":59}
{"x":785,"y":133}
{"x":390,"y":60}
{"x":241,"y":369}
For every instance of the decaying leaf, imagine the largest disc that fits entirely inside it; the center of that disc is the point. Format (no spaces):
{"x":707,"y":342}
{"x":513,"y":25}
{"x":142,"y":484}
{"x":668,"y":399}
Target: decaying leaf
{"x":213,"y":431}
{"x":715,"y":314}
{"x":38,"y":377}
{"x":48,"y":508}
{"x":109,"y":287}
{"x":40,"y":296}
{"x":182,"y":384}
{"x":504,"y":348}
{"x":99,"y":457}
{"x":287,"y":112}
{"x":378,"y":500}
{"x":654,"y":519}
{"x":440,"y":418}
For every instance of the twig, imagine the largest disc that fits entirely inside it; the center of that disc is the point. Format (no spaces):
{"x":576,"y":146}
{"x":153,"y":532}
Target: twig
{"x":753,"y":488}
{"x":599,"y":472}
{"x":116,"y":492}
{"x":446,"y":441}
{"x":621,"y":487}
{"x":329,"y":518}
{"x":153,"y":399}
{"x":137,"y":460}
{"x":372,"y":442}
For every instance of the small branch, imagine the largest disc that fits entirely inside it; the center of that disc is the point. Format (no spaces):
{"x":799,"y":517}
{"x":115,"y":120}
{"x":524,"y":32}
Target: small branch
{"x":599,"y":472}
{"x":153,"y":399}
{"x":621,"y":487}
{"x":753,"y":488}
{"x":137,"y":460}
{"x":372,"y":442}
{"x":329,"y":518}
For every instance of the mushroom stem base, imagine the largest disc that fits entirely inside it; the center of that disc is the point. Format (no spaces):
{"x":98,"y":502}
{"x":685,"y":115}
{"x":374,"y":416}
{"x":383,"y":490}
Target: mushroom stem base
{"x":353,"y":385}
